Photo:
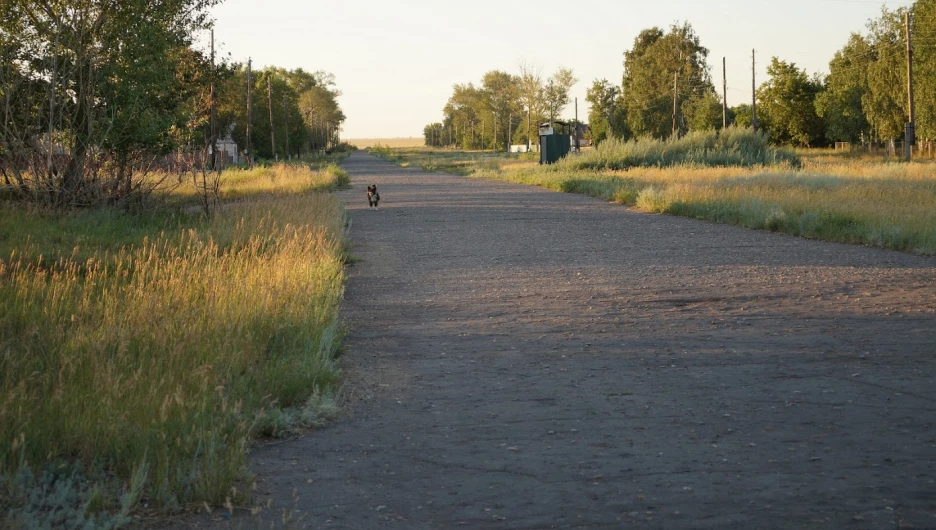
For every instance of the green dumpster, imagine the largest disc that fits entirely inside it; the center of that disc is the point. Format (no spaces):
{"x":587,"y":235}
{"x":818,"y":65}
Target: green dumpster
{"x":553,"y":146}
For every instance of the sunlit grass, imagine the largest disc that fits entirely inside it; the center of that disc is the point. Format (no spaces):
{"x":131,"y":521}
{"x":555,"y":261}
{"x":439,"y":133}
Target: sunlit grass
{"x":279,"y":179}
{"x":846,"y":198}
{"x":157,"y":353}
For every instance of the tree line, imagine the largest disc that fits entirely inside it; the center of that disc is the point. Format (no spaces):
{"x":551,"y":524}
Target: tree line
{"x":306,"y":115}
{"x":504,"y":108}
{"x":666,"y":89}
{"x":94,"y":92}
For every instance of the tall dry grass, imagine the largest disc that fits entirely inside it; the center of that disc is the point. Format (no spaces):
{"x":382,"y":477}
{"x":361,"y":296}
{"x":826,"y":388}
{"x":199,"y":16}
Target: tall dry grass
{"x":147,"y":369}
{"x":889,"y":205}
{"x":276,"y":179}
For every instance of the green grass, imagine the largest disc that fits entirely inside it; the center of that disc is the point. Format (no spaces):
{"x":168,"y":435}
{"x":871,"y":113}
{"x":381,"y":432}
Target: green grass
{"x":139,"y":355}
{"x":816,"y":194}
{"x":730,"y":147}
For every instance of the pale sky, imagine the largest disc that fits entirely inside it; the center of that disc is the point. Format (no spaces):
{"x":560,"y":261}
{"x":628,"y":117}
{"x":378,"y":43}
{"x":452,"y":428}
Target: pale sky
{"x":396,"y":61}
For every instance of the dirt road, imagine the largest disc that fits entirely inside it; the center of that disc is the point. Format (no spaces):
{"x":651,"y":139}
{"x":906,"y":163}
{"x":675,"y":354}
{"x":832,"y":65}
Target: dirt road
{"x":520,"y":358}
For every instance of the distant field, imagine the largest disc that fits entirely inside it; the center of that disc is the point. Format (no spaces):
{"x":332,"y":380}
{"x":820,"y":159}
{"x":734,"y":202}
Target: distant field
{"x":362,"y":143}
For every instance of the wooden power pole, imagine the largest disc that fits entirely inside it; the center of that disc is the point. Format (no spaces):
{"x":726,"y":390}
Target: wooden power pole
{"x":213,"y":135}
{"x":270,"y":104}
{"x":909,"y":130}
{"x":509,"y":131}
{"x":753,"y":92}
{"x":610,"y":110}
{"x":724,"y":102}
{"x":286,"y":118}
{"x":249,"y":111}
{"x":675,"y":79}
{"x":494,"y":146}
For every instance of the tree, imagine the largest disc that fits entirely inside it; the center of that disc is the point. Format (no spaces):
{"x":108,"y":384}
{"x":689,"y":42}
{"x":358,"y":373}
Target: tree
{"x":81,"y":80}
{"x":787,"y":103}
{"x":606,"y":116}
{"x":741,"y":115}
{"x":501,"y":100}
{"x":885,"y":102}
{"x":433,"y":135}
{"x":924,"y":68}
{"x":462,"y":111}
{"x":322,"y":115}
{"x":556,"y":93}
{"x":657,"y":62}
{"x":703,"y":111}
{"x":839,"y":104}
{"x":531,"y":93}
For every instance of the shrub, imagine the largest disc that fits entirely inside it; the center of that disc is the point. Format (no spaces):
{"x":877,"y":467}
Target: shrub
{"x":729,"y":147}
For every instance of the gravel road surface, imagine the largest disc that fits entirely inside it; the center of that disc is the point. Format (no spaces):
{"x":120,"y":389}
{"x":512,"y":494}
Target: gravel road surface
{"x":520,"y":358}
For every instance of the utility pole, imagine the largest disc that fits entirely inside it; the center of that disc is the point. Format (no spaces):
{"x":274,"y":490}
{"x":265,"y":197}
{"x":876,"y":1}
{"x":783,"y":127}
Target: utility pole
{"x":724,"y":103}
{"x":212,"y":134}
{"x":529,"y":130}
{"x":249,"y":111}
{"x":270,"y":104}
{"x":675,"y":79}
{"x":494,"y":147}
{"x":577,"y":145}
{"x":753,"y":94}
{"x":509,"y":131}
{"x":909,"y":129}
{"x":286,"y":117}
{"x":49,"y":166}
{"x":610,"y":111}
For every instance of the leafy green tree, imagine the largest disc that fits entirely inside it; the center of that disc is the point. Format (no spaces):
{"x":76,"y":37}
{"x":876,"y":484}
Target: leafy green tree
{"x":501,"y":100}
{"x":606,"y":116}
{"x":703,"y":111}
{"x":321,"y":112}
{"x":741,"y":115}
{"x":787,"y":103}
{"x":531,"y":92}
{"x":462,"y":111}
{"x":282,"y":93}
{"x":433,"y":135}
{"x":840,"y":103}
{"x":885,"y":102}
{"x":118,"y":76}
{"x":656,"y":63}
{"x":556,"y":92}
{"x":924,"y":65}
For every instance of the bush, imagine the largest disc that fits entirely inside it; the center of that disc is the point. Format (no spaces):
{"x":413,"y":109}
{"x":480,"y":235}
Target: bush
{"x":344,"y":147}
{"x":730,"y":147}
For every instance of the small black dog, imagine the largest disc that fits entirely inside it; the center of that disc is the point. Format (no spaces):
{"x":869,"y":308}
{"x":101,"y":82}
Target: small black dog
{"x":372,"y":196}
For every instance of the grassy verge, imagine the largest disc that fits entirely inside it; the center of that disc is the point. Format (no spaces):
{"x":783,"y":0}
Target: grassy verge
{"x":140,"y":354}
{"x":278,"y":179}
{"x":860,"y":200}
